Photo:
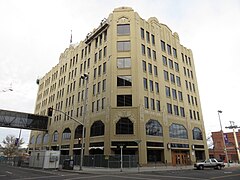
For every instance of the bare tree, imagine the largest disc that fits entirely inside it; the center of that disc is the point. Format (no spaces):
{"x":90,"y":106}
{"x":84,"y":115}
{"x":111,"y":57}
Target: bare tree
{"x":11,"y":146}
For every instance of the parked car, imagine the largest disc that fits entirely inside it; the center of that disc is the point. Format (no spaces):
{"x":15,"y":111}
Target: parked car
{"x":209,"y":163}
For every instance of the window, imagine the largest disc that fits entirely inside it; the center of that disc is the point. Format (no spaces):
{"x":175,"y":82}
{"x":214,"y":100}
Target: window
{"x":155,"y":70}
{"x":98,"y":103}
{"x":142,"y":33}
{"x":163,"y":47}
{"x":94,"y":89}
{"x":174,"y":53}
{"x":123,"y":29}
{"x":94,"y":73}
{"x":170,"y":63}
{"x":149,"y":52}
{"x":154,"y":55}
{"x":176,"y":67}
{"x":186,"y":84}
{"x":169,"y":108}
{"x":124,"y":126}
{"x":158,"y":105}
{"x":146,"y":105}
{"x":154,"y":128}
{"x":93,"y":106}
{"x":147,"y":36}
{"x":197,"y":134}
{"x":97,"y":129}
{"x":104,"y":85}
{"x":150,"y":68}
{"x":104,"y":68}
{"x":153,"y":39}
{"x":190,"y":113}
{"x":157,"y":87}
{"x":124,"y":80}
{"x":103,"y":103}
{"x":98,"y":87}
{"x":55,"y":137}
{"x":99,"y":70}
{"x":180,"y":97}
{"x":164,"y":59}
{"x":189,"y":60}
{"x":174,"y":94}
{"x":145,"y":84}
{"x":152,"y":104}
{"x":46,"y":138}
{"x":66,"y":135}
{"x":143,"y":49}
{"x":172,"y":77}
{"x":151,"y":85}
{"x":176,"y":112}
{"x":182,"y":112}
{"x":124,"y":62}
{"x":189,"y":101}
{"x":123,"y":46}
{"x":78,"y":132}
{"x":124,"y":100}
{"x":178,"y":131}
{"x":169,"y":49}
{"x":105,"y":51}
{"x":168,"y":93}
{"x":39,"y":139}
{"x":196,"y":101}
{"x":178,"y":81}
{"x":165,"y":73}
{"x":144,"y":65}
{"x":182,"y":57}
{"x":100,"y":55}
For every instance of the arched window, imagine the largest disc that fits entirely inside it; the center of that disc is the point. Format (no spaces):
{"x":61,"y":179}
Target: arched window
{"x":55,"y":137}
{"x":97,"y":129}
{"x":45,"y":138}
{"x":124,"y":126}
{"x":197,"y":134}
{"x":178,"y":131}
{"x":32,"y":141}
{"x":66,"y":135}
{"x":154,"y":128}
{"x":39,"y":139}
{"x":78,"y":132}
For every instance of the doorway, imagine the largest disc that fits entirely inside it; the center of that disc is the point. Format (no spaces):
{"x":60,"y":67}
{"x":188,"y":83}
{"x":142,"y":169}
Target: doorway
{"x":180,"y":158}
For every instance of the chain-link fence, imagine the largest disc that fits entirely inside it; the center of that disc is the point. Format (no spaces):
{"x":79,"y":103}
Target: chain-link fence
{"x":108,"y":161}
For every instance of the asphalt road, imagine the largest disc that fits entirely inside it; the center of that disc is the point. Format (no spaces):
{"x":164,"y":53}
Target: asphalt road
{"x":19,"y":173}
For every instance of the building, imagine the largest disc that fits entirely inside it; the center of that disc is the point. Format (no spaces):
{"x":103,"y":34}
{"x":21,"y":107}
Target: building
{"x":142,"y":93}
{"x":218,"y":146}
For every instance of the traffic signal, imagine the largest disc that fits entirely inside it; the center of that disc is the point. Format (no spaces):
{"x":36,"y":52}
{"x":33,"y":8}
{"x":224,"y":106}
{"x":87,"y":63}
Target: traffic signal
{"x":50,"y":111}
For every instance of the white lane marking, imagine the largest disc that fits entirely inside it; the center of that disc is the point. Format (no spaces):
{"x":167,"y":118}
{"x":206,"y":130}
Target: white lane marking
{"x":2,"y":175}
{"x":8,"y":172}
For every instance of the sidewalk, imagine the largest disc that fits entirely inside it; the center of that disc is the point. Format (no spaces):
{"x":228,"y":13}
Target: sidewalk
{"x":101,"y":170}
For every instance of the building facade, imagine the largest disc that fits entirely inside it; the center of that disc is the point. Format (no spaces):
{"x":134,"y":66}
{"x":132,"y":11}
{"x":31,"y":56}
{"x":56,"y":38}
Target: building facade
{"x":218,"y":146}
{"x":141,"y":92}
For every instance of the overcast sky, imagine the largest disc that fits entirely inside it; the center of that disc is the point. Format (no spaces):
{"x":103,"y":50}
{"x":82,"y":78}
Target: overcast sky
{"x":34,"y":33}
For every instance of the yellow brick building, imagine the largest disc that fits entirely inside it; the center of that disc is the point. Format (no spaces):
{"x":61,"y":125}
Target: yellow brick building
{"x":141,"y":93}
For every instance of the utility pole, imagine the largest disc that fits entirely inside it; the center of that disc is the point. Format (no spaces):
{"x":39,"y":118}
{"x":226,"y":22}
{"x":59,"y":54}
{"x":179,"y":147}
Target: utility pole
{"x":233,"y":127}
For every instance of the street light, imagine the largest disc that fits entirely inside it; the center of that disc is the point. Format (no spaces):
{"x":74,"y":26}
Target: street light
{"x":84,"y":77}
{"x":225,"y":150}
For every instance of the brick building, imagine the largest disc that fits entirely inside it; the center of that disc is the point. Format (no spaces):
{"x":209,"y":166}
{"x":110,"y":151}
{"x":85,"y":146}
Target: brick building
{"x":218,"y":148}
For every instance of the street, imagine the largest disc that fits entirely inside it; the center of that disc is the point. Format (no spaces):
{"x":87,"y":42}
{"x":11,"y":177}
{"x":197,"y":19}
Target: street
{"x":19,"y":173}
